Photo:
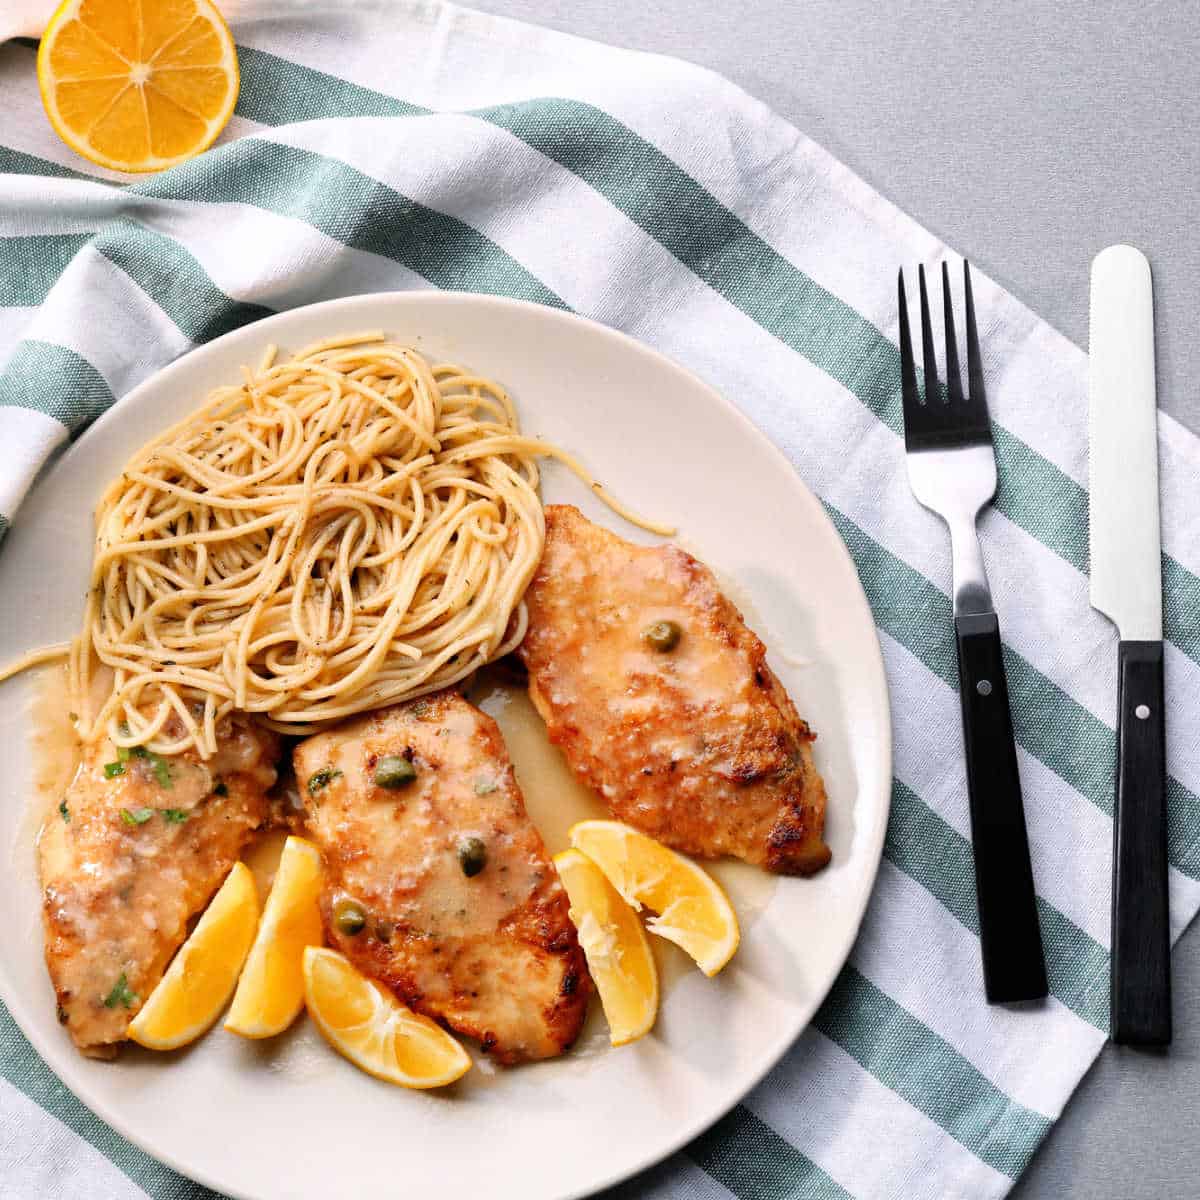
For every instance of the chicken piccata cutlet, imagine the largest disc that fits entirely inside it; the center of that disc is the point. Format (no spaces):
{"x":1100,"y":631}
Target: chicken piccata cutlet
{"x":661,"y":699}
{"x":138,"y":846}
{"x":436,"y":882}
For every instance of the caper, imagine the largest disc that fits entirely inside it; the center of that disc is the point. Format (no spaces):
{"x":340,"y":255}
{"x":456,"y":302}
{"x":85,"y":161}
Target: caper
{"x":349,"y":917}
{"x":393,"y":772}
{"x":663,"y":635}
{"x":472,"y":856}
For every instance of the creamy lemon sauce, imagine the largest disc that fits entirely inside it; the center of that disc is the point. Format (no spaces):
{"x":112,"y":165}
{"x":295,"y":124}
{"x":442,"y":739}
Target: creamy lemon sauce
{"x":55,"y":745}
{"x":554,"y":798}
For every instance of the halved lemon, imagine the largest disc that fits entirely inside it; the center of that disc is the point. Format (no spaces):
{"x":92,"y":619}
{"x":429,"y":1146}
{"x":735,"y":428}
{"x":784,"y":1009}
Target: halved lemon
{"x":270,"y":992}
{"x":137,"y":85}
{"x":201,"y":977}
{"x":373,"y":1029}
{"x":692,"y":910}
{"x":614,"y":942}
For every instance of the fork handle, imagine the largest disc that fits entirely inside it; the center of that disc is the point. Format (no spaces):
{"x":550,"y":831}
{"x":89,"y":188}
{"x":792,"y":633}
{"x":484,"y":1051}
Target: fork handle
{"x":1011,"y":940}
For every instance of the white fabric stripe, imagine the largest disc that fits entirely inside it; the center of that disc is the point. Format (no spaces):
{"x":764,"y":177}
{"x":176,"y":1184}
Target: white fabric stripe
{"x":846,"y":1121}
{"x":909,"y":944}
{"x":419,"y":158}
{"x":249,"y":253}
{"x":256,"y":255}
{"x":91,"y":309}
{"x":40,"y":1156}
{"x":28,"y":438}
{"x":14,"y":322}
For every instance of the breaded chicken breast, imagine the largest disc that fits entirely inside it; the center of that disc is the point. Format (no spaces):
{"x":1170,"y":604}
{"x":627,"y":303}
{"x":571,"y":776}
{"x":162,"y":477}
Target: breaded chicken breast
{"x":662,"y":701}
{"x":137,"y":847}
{"x":437,"y":884}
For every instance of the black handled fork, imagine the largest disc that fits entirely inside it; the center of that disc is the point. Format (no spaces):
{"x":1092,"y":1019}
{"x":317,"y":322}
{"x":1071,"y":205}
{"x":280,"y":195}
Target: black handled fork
{"x":952,"y":472}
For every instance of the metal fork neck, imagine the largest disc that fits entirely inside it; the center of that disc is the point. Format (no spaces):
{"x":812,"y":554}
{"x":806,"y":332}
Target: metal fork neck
{"x":971,"y":591}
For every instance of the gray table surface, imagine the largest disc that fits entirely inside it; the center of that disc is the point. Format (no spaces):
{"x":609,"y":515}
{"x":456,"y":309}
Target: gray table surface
{"x":1028,"y":135}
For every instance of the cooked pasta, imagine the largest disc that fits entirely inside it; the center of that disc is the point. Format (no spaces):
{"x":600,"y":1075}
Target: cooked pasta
{"x":348,"y":528}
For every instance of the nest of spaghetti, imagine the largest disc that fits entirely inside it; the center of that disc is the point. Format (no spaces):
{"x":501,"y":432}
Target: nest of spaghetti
{"x":349,"y":528}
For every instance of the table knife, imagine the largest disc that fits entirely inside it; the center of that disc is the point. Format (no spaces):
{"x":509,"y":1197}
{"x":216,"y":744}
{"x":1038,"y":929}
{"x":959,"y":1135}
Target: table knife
{"x":1127,"y":588}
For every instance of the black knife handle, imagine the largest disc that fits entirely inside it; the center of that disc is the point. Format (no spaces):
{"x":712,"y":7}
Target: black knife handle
{"x":1011,"y":939}
{"x":1141,"y":939}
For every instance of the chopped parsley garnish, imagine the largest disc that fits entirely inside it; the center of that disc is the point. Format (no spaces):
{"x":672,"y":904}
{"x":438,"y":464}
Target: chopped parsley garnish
{"x":220,"y":789}
{"x":136,"y":816}
{"x":321,"y":779}
{"x":158,"y":764}
{"x":161,"y":768}
{"x":175,"y":816}
{"x":121,"y":994}
{"x":420,"y":708}
{"x":485,"y":787}
{"x":63,"y":811}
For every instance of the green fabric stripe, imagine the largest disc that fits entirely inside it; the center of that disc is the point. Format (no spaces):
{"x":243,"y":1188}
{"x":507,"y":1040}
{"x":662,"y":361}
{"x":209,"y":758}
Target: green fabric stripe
{"x":352,"y":208}
{"x":22,"y":1067}
{"x":56,"y":381}
{"x":1048,"y":723}
{"x":30,"y":265}
{"x":749,"y":1158}
{"x":908,"y":1057}
{"x":175,"y":281}
{"x":275,"y":91}
{"x":17,"y":162}
{"x":939,"y":858}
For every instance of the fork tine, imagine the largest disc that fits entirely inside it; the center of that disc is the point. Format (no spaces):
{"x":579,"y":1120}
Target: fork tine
{"x":953,"y":376}
{"x":908,"y":370}
{"x":978,"y":397}
{"x":931,"y":379}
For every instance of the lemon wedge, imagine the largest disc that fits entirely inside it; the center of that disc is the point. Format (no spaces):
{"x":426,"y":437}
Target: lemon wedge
{"x":270,"y":992}
{"x":198,"y":983}
{"x":373,"y":1029}
{"x":692,"y":910}
{"x":137,"y":85}
{"x":614,"y":943}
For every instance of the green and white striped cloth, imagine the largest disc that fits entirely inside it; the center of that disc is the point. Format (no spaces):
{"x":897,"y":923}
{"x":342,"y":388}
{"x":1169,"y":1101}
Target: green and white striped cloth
{"x":382,"y":145}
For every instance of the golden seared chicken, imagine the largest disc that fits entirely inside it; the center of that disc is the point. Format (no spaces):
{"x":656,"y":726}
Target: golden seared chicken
{"x":662,"y":700}
{"x":138,"y":846}
{"x":436,"y":882}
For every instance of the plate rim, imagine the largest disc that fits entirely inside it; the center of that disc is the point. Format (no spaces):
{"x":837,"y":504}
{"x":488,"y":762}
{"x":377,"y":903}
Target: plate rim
{"x":883,"y":750}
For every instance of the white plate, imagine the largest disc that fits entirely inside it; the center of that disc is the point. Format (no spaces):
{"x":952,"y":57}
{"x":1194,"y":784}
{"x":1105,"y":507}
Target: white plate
{"x":291,"y":1118}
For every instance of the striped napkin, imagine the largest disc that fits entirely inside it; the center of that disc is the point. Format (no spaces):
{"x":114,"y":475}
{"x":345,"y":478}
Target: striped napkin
{"x":382,"y":145}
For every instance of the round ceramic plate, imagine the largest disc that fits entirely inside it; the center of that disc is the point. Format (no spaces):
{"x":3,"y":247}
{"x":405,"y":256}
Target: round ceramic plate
{"x":289,"y":1117}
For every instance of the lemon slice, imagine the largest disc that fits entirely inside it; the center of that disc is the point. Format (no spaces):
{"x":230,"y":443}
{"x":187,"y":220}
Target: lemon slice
{"x":373,"y":1029}
{"x":270,"y":993}
{"x":693,"y":911}
{"x":137,"y":85}
{"x":198,"y":983}
{"x":614,"y":942}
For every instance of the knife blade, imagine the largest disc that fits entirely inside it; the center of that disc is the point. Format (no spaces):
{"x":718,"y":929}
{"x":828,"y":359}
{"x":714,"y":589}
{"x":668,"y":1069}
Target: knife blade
{"x":1126,"y":586}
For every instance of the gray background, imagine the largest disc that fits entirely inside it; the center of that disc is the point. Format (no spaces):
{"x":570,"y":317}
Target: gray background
{"x":1028,"y":135}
